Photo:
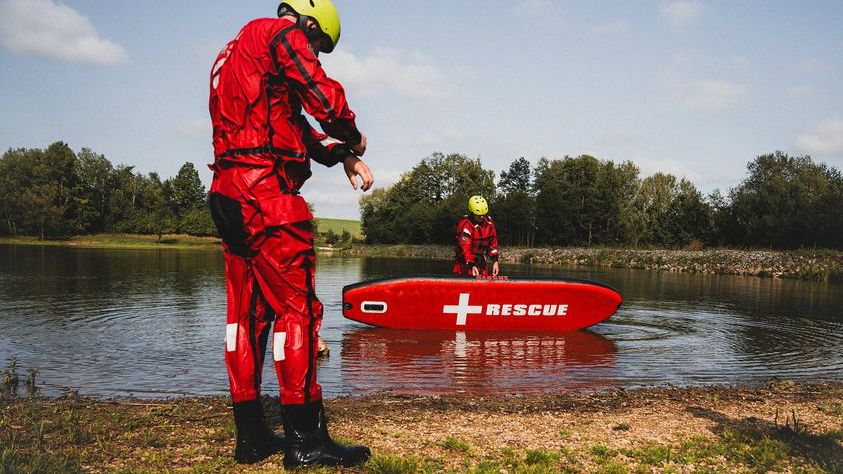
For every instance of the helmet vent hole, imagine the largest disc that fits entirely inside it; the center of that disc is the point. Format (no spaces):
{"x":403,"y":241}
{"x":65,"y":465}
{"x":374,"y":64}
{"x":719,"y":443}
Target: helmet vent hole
{"x":312,"y":4}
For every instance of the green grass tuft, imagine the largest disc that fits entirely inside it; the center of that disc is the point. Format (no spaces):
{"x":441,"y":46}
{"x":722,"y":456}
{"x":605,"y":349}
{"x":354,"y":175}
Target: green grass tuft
{"x":455,"y":444}
{"x":541,"y":457}
{"x":388,"y":464}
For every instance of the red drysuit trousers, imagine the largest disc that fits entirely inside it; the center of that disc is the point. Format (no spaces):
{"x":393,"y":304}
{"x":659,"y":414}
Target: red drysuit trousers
{"x":274,"y":287}
{"x":269,"y":275}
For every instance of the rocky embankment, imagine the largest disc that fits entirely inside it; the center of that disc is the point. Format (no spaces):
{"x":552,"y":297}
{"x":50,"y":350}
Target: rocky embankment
{"x":822,"y":265}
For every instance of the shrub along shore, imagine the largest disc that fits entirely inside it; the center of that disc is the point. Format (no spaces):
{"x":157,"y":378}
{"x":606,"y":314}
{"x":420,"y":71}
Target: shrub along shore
{"x":812,"y":265}
{"x":781,"y":427}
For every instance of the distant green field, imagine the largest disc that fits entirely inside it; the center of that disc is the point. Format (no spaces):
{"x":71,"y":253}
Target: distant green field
{"x":324,"y":224}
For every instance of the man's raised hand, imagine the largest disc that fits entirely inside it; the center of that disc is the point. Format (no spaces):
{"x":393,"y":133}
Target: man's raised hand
{"x":355,"y":167}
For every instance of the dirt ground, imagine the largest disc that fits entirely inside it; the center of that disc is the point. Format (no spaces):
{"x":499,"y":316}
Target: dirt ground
{"x":780,"y":427}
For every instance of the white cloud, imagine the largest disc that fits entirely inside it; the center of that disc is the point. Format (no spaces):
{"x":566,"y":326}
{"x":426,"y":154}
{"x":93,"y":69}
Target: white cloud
{"x":739,"y":62}
{"x":609,"y":27}
{"x":53,"y":30}
{"x":805,"y":91}
{"x":533,"y":7}
{"x":619,"y":141}
{"x":825,"y":139}
{"x":707,"y":95}
{"x":409,"y":75}
{"x":682,"y":13}
{"x":651,"y":166}
{"x":198,"y":127}
{"x":427,"y":138}
{"x":814,"y":65}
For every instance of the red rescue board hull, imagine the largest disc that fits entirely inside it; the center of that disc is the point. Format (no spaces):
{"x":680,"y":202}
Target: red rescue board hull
{"x":452,"y":303}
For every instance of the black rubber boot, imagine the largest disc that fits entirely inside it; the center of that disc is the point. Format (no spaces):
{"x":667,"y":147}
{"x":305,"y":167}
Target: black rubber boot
{"x":308,"y":442}
{"x":255,"y":440}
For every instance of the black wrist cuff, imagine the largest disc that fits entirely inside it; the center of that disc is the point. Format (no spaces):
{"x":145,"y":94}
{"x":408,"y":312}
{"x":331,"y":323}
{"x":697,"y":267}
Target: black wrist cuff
{"x":341,"y":152}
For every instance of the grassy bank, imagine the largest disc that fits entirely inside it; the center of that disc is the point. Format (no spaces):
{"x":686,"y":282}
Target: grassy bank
{"x":167,"y":241}
{"x":782,"y":427}
{"x":337,"y":226}
{"x":122,"y":241}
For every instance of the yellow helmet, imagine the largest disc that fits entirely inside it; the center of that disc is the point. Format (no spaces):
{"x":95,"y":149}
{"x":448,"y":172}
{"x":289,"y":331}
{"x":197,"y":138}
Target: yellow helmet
{"x":323,"y":11}
{"x":478,"y":206}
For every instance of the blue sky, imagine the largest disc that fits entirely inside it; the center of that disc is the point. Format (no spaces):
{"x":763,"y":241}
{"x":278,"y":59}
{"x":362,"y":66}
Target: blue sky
{"x":695,"y":88}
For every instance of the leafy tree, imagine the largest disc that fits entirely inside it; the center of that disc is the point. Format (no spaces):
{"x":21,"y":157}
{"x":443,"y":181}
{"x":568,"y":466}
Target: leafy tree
{"x":690,"y":217}
{"x":626,"y":225}
{"x":788,"y":202}
{"x":515,"y":209}
{"x":579,"y":200}
{"x":92,"y":190}
{"x":554,"y":207}
{"x":125,"y":187}
{"x":783,"y":202}
{"x":47,"y":200}
{"x":16,"y":174}
{"x":188,"y":202}
{"x":425,"y":204}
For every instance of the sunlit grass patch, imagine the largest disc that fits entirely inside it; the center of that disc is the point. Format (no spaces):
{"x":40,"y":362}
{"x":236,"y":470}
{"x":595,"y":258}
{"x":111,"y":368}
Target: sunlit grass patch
{"x":831,"y":408}
{"x":602,"y":453}
{"x":391,"y":464}
{"x":541,"y":457}
{"x":757,"y":452}
{"x":612,"y":467}
{"x":836,"y":435}
{"x":456,"y":444}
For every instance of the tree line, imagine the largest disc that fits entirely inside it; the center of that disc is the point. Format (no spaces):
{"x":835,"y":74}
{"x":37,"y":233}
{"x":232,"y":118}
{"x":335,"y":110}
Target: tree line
{"x":783,"y":202}
{"x":56,"y":192}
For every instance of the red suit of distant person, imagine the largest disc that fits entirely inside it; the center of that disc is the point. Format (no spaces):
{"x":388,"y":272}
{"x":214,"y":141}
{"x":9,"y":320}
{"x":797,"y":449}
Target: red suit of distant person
{"x":262,"y":147}
{"x":474,"y":243}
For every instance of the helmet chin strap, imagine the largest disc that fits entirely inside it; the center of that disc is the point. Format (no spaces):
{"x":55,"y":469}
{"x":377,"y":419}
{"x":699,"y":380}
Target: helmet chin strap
{"x":301,"y":21}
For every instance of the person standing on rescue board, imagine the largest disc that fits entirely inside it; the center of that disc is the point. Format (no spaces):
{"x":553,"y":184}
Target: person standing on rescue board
{"x":263,"y":146}
{"x":477,"y":240}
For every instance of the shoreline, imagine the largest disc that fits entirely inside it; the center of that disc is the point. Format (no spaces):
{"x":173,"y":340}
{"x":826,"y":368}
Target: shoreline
{"x":811,"y":265}
{"x":783,"y":426}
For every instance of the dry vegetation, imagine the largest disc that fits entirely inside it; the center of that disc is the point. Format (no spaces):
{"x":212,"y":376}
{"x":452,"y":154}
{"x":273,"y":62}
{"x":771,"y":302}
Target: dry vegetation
{"x":783,"y":427}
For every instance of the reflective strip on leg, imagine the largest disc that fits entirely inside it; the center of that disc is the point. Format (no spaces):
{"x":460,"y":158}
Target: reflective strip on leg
{"x":231,"y":337}
{"x":278,"y":346}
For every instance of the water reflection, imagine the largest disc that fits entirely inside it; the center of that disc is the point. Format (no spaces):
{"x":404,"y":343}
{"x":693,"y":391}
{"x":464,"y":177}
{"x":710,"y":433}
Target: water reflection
{"x":150,"y":323}
{"x":476,"y":363}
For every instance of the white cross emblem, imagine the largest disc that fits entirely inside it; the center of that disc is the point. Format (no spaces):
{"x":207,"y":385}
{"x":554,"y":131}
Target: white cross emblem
{"x":462,"y":309}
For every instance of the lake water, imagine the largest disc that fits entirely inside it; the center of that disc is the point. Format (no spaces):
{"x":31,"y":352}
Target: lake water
{"x":150,"y":323}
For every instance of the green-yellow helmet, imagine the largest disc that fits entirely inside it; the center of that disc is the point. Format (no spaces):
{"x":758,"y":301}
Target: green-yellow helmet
{"x":323,"y":11}
{"x":478,"y":206}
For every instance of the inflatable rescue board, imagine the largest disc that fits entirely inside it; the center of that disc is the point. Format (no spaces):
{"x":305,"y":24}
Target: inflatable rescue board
{"x":454,"y":303}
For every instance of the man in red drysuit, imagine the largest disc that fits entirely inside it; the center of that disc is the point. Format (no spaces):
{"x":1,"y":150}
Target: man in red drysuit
{"x":263,"y":146}
{"x":477,"y":240}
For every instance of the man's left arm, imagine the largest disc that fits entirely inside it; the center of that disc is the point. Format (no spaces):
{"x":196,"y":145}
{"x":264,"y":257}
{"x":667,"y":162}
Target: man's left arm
{"x":493,"y":249}
{"x":321,"y":148}
{"x":329,"y":151}
{"x":321,"y":96}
